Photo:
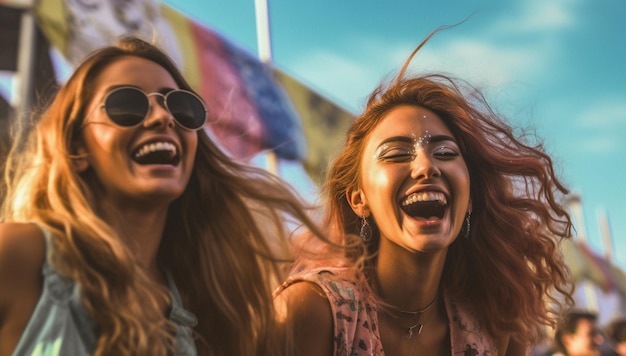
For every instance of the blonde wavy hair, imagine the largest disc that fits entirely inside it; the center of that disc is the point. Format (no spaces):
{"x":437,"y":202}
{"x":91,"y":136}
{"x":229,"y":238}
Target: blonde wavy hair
{"x":223,"y":239}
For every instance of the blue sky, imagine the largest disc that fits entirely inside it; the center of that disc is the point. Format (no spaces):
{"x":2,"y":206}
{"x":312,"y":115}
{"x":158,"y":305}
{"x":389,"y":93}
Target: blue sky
{"x":557,"y":66}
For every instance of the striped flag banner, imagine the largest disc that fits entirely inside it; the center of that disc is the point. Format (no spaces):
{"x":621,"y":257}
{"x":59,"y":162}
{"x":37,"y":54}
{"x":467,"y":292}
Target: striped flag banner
{"x":251,"y":111}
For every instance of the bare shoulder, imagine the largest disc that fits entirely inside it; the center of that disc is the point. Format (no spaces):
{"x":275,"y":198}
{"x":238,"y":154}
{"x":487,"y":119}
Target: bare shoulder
{"x":304,"y":308}
{"x":22,"y":253}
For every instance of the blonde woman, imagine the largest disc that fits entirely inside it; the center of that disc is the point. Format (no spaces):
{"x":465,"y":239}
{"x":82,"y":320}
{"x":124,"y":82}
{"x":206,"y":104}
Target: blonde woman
{"x":127,"y":231}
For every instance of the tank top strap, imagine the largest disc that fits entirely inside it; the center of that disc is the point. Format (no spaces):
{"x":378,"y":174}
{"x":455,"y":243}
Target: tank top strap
{"x":59,"y":325}
{"x":47,"y":239}
{"x":184,"y":320}
{"x":57,"y":287}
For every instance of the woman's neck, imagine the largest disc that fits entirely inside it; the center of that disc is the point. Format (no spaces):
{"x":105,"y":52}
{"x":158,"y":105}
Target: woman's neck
{"x":141,"y":228}
{"x":406,"y":280}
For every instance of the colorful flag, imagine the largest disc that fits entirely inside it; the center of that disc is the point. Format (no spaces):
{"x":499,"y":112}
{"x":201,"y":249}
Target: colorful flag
{"x":249,"y":110}
{"x":585,"y":264}
{"x":325,"y":124}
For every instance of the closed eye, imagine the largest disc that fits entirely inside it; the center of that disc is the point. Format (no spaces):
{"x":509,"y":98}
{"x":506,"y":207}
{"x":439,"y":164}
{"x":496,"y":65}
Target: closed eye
{"x":396,"y":152}
{"x":445,"y":153}
{"x":397,"y":156}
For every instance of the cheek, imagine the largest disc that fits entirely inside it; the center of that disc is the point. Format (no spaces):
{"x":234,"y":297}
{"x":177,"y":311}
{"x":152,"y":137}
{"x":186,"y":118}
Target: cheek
{"x":104,"y":139}
{"x":381,"y":184}
{"x":462,"y":181}
{"x":192,"y":146}
{"x":376,"y":180}
{"x":370,"y":176}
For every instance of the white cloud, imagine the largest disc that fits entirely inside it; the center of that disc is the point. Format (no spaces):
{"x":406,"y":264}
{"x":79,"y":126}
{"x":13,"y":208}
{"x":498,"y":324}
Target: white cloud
{"x":483,"y":59}
{"x":603,"y":123}
{"x":605,"y":114}
{"x":538,"y":15}
{"x":483,"y":63}
{"x":346,"y":80}
{"x":599,"y":144}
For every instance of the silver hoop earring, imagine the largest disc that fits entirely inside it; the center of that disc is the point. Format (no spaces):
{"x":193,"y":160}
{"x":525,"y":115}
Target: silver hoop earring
{"x":467,"y":226}
{"x":366,"y":230}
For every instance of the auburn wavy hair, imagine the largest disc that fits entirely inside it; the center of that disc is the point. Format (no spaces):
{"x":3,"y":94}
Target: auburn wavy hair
{"x":509,"y":268}
{"x":224,"y":239}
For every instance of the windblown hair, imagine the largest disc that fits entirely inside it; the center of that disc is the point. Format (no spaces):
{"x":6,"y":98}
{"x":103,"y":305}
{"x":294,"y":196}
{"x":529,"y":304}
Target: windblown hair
{"x":510,"y":264}
{"x":223,"y":238}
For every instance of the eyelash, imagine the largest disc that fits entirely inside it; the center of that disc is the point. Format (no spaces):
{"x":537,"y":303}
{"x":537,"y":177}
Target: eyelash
{"x":398,"y":155}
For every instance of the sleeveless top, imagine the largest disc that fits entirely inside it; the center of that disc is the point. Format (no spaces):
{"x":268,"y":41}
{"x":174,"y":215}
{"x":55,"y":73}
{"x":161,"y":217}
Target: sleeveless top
{"x":60,"y":325}
{"x":356,"y":320}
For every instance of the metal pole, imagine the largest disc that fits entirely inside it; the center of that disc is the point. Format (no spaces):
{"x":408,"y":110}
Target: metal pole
{"x":263,"y":36}
{"x":265,"y":55}
{"x":23,"y":99}
{"x":605,"y":232}
{"x":575,"y":204}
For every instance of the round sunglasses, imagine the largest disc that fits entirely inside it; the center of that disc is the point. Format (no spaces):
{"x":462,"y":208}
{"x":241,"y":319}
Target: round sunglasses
{"x":129,"y":106}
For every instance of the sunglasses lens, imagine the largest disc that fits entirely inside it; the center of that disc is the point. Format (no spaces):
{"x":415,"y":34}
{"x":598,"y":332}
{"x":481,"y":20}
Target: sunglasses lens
{"x":127,"y":106}
{"x":187,"y":109}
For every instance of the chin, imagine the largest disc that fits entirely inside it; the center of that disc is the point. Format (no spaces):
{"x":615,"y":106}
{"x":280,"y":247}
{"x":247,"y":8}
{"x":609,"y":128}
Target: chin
{"x":163,"y":194}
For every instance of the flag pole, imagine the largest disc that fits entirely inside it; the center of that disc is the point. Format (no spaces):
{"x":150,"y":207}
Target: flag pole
{"x":574,"y":202}
{"x":23,"y":100}
{"x":605,"y":232}
{"x":263,"y":31}
{"x":265,"y":55}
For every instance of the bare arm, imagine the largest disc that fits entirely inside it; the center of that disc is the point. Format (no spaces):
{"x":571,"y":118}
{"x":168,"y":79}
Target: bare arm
{"x":22,"y":251}
{"x":304,"y":309}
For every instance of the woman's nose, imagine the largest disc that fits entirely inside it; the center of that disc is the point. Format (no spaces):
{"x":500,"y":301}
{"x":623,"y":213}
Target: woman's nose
{"x":424,"y":166}
{"x":158,"y":114}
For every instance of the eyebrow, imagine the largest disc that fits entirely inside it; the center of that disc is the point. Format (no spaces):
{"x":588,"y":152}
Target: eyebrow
{"x":432,"y":139}
{"x":162,"y":90}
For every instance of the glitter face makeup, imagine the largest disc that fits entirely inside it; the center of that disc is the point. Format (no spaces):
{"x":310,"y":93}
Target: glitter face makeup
{"x":413,"y":181}
{"x":401,"y":147}
{"x":424,"y":139}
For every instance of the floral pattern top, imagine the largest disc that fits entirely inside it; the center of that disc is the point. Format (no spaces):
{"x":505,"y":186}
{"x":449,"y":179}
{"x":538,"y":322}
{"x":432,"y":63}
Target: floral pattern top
{"x":356,"y":320}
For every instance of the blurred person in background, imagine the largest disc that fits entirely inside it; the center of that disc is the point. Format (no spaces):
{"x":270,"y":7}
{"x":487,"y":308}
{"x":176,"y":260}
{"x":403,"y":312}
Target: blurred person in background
{"x":577,"y":334}
{"x":616,"y":336}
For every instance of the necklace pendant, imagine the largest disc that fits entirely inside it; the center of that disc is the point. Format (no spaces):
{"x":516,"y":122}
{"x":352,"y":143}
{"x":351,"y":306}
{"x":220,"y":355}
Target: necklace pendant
{"x":419,"y":330}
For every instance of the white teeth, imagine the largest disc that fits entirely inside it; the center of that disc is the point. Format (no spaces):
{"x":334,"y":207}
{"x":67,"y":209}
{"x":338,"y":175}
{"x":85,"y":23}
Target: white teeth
{"x":156,"y":146}
{"x":425,"y":196}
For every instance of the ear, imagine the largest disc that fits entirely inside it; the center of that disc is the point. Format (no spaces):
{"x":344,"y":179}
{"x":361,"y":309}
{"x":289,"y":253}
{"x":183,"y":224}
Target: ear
{"x":79,"y":161}
{"x":358,"y":202}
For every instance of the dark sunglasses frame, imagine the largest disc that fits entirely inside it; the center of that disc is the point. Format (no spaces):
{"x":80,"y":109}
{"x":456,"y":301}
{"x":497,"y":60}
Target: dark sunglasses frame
{"x":182,"y":123}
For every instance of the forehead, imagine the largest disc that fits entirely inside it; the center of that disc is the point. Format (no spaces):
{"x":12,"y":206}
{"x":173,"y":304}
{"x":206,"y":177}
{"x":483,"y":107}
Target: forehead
{"x":136,"y":71}
{"x":585,"y":325}
{"x":409,"y":121}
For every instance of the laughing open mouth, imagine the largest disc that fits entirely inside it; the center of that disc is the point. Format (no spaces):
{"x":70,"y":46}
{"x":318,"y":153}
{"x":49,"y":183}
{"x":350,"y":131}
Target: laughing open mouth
{"x":425,"y":205}
{"x":157,"y":153}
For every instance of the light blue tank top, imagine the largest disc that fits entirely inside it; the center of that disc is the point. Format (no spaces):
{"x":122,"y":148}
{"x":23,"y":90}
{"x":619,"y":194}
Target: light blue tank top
{"x":61,"y":326}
